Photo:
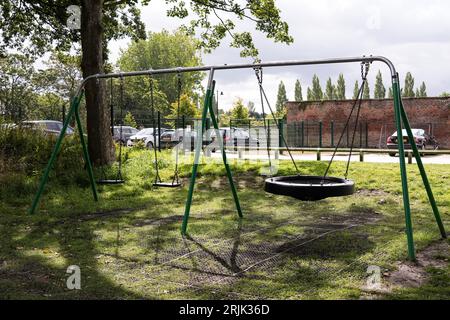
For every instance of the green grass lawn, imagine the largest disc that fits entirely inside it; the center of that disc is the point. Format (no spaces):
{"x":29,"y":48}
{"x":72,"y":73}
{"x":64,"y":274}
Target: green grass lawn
{"x":128,"y":245}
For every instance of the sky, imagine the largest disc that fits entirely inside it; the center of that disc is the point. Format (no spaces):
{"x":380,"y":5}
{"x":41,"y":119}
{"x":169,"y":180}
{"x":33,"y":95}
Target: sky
{"x":413,"y":34}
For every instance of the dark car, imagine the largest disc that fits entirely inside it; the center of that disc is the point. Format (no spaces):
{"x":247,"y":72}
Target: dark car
{"x":123,"y":135}
{"x":48,"y":126}
{"x":423,"y":141}
{"x":233,"y":136}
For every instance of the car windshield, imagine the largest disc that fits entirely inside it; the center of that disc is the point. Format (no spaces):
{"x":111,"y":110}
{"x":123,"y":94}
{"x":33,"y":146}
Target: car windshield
{"x":415,"y":132}
{"x":145,"y":132}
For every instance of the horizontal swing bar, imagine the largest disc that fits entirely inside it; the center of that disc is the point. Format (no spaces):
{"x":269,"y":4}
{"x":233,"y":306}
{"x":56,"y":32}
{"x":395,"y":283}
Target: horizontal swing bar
{"x":243,"y":66}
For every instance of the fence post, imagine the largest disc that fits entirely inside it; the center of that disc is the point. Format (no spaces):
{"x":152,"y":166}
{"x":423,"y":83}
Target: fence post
{"x":361,"y":156}
{"x":280,"y":134}
{"x":318,"y":154}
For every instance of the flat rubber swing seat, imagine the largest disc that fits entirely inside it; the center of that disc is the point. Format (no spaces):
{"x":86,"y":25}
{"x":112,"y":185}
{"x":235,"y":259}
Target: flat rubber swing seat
{"x":110,"y":181}
{"x":167,"y":184}
{"x":309,"y":188}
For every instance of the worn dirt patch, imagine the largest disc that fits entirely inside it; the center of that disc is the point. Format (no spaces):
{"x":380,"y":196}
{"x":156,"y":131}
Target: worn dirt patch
{"x":409,"y":274}
{"x":413,"y":274}
{"x":372,"y":192}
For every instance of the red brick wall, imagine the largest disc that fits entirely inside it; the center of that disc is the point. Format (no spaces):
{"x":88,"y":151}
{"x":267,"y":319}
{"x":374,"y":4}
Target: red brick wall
{"x":431,"y":114}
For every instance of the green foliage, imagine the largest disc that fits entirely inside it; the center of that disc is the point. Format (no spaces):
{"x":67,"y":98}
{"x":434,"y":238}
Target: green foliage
{"x":298,"y":91}
{"x":16,"y":93}
{"x":41,"y":26}
{"x":129,"y":120}
{"x":187,"y":108}
{"x":356,"y":90}
{"x":161,"y":50}
{"x":309,"y":94}
{"x":391,"y":93}
{"x":366,"y":90}
{"x":444,"y":95}
{"x":380,"y":90}
{"x":330,"y":90}
{"x":26,"y":151}
{"x":422,"y":91}
{"x":408,"y":88}
{"x":29,"y":94}
{"x":340,"y":88}
{"x":281,"y":99}
{"x":239,"y":111}
{"x":316,"y":91}
{"x":264,"y":13}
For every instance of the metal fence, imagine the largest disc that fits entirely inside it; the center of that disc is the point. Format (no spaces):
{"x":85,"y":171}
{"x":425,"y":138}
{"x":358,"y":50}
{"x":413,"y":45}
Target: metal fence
{"x":304,"y":134}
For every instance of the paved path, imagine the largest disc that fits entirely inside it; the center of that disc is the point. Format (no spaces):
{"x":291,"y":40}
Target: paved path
{"x":368,"y":157}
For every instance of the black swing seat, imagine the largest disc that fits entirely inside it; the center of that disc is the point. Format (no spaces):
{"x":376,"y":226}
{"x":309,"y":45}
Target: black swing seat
{"x":113,"y":181}
{"x":167,"y":184}
{"x":309,"y":188}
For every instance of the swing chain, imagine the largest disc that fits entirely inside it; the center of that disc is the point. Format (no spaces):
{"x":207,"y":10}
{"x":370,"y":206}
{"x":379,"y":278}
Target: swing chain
{"x":259,"y":74}
{"x":365,"y":66}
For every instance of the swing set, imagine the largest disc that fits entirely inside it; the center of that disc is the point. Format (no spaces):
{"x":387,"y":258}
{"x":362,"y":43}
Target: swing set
{"x":305,"y":188}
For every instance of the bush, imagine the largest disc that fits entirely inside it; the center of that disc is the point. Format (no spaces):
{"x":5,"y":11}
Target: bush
{"x":27,"y":151}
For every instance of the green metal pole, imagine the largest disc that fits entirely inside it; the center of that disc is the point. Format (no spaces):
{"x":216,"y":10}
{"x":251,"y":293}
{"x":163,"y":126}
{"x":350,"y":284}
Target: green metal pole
{"x":401,"y":152}
{"x":225,"y":161}
{"x":426,"y":183}
{"x":198,"y":147}
{"x":86,"y":153}
{"x":37,"y":197}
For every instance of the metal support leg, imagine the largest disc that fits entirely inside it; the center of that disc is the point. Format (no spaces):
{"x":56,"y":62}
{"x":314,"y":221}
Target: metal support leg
{"x":207,"y":106}
{"x":224,"y":158}
{"x":86,"y":153}
{"x":401,"y":152}
{"x":72,"y":111}
{"x":426,"y":183}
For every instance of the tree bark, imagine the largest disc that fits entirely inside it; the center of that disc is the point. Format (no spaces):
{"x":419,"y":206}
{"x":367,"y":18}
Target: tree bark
{"x":100,"y":143}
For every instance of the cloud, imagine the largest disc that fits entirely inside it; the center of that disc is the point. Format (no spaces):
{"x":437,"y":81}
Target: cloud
{"x":414,"y":34}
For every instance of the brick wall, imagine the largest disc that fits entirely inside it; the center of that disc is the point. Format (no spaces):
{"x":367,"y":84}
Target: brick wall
{"x":430,"y":114}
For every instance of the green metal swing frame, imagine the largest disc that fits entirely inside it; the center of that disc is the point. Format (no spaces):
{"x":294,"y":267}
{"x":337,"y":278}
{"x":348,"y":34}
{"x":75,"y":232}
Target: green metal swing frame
{"x":401,"y":121}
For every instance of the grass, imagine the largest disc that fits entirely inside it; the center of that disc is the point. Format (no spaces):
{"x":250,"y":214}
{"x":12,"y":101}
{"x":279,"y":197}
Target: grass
{"x":128,"y":245}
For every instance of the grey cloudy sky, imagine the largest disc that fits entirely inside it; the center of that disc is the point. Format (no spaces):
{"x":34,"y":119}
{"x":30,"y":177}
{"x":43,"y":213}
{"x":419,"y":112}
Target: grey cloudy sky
{"x":414,"y":34}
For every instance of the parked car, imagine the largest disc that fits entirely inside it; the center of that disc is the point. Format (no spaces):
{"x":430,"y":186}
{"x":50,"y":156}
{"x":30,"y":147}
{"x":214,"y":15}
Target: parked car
{"x":422,"y":139}
{"x":48,"y":126}
{"x":168,"y":138}
{"x":125,"y":135}
{"x":142,"y":135}
{"x":238,"y":136}
{"x":174,"y":137}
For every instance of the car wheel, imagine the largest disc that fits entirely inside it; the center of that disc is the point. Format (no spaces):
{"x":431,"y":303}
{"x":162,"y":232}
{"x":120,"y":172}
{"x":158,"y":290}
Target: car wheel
{"x":150,"y":145}
{"x":392,"y":154}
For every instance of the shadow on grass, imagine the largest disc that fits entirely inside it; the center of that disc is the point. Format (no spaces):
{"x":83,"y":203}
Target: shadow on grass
{"x":27,"y":273}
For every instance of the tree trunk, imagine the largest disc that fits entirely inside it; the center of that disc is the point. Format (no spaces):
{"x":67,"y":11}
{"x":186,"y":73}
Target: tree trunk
{"x":100,"y":143}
